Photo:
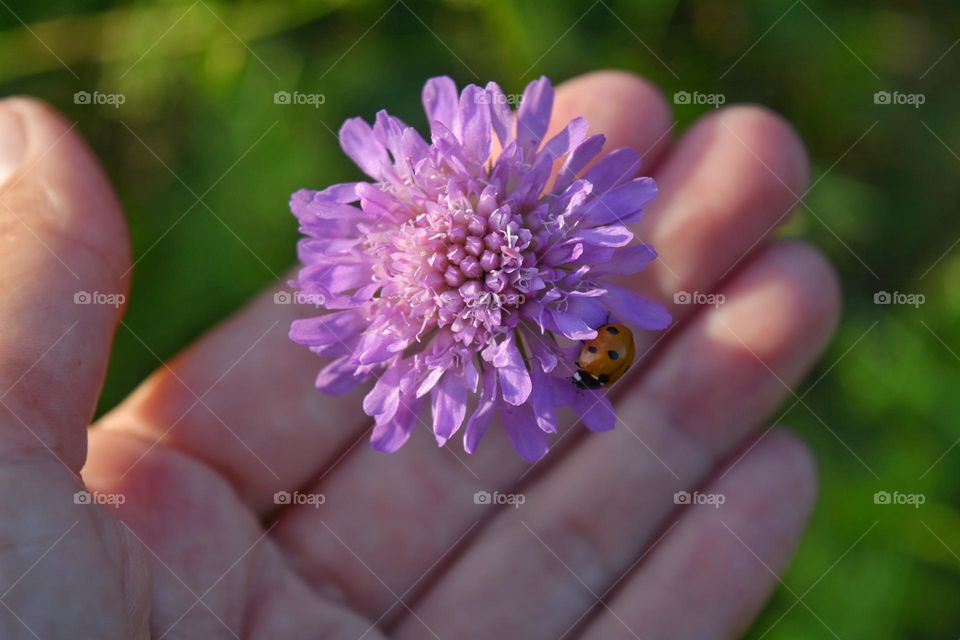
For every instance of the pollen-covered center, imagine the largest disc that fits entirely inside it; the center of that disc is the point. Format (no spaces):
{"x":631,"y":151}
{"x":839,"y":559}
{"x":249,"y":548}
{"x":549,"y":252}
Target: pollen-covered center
{"x":467,"y":264}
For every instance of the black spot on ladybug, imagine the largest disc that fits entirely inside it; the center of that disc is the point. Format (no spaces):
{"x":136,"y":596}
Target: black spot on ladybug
{"x":592,"y":349}
{"x":613,"y":330}
{"x":613,"y":355}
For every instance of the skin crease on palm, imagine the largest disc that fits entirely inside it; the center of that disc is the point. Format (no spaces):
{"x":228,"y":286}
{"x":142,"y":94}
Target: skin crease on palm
{"x":399,"y":549}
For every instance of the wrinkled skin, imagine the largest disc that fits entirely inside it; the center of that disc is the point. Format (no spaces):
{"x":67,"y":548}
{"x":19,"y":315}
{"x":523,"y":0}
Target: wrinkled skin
{"x":598,"y":549}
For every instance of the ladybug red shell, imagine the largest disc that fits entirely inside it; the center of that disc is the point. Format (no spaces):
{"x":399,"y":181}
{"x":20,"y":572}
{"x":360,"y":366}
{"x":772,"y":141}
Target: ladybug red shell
{"x":606,"y":358}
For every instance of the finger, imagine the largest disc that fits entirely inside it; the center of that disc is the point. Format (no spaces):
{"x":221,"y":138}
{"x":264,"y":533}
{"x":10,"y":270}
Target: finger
{"x":701,"y":164}
{"x":64,"y":250}
{"x":214,"y":572}
{"x":632,"y":114}
{"x":722,"y":374}
{"x":711,"y":573}
{"x":242,"y":398}
{"x":242,"y":401}
{"x":628,"y":110}
{"x":62,"y":234}
{"x":728,"y":183}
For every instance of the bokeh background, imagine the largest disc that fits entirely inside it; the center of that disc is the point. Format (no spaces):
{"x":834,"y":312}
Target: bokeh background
{"x":204,"y":160}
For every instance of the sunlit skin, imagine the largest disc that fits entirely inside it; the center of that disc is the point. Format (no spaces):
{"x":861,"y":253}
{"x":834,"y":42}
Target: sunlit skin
{"x":200,"y":448}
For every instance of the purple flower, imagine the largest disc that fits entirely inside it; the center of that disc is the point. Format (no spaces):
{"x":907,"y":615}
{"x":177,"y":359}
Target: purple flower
{"x":464,"y":282}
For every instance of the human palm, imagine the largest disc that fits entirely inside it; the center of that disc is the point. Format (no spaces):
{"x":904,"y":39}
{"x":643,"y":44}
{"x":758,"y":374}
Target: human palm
{"x":184,"y":536}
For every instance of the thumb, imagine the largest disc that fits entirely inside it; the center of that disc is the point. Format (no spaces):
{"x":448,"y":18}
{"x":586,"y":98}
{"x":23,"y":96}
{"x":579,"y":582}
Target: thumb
{"x":64,"y":254}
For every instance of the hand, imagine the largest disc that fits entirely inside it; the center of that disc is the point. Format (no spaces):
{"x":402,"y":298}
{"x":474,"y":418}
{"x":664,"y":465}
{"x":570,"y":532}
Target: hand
{"x":174,"y":530}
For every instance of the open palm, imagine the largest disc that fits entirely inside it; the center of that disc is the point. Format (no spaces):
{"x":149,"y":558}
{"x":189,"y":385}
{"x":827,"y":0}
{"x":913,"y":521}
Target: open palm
{"x":162,"y":520}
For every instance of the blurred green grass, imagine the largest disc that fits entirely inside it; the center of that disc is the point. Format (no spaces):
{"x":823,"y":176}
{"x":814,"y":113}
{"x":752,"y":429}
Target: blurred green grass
{"x":200,"y":120}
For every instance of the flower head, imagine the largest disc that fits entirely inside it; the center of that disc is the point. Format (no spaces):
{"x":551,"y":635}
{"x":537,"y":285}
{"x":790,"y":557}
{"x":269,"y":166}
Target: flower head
{"x":463,"y":278}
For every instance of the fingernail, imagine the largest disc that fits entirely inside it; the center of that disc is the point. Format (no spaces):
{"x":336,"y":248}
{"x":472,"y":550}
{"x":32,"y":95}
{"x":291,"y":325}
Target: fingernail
{"x":13,"y":143}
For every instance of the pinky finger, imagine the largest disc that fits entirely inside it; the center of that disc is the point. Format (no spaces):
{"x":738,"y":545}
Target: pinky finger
{"x":710,"y":575}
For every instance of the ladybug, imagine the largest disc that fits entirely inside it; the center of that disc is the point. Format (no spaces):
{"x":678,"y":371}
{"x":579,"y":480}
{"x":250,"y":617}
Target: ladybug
{"x":606,"y":358}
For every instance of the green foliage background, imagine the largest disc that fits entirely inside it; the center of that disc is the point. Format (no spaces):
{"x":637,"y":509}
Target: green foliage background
{"x":200,"y":121}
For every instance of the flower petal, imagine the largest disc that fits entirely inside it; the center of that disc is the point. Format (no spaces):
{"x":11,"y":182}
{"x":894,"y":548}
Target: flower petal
{"x":541,"y":351}
{"x":390,"y":435}
{"x":311,"y":206}
{"x":470,"y":375}
{"x":588,"y":307}
{"x":533,"y":117}
{"x":337,"y":378}
{"x":325,"y":329}
{"x":634,"y":309}
{"x":382,"y":401}
{"x":577,"y":160}
{"x":449,"y":406}
{"x":358,"y":142}
{"x":542,"y":402}
{"x":501,"y":117}
{"x":572,"y":326}
{"x":338,"y":275}
{"x":530,"y":187}
{"x":617,"y":167}
{"x":611,"y":235}
{"x":344,"y":193}
{"x":623,"y":204}
{"x":390,"y":131}
{"x":374,"y":347}
{"x":511,"y":370}
{"x":626,"y":261}
{"x":594,"y":409}
{"x":526,"y":436}
{"x":379,"y":205}
{"x":475,"y":123}
{"x":430,"y":381}
{"x":479,"y":422}
{"x":563,"y":253}
{"x":440,"y":101}
{"x":569,"y":138}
